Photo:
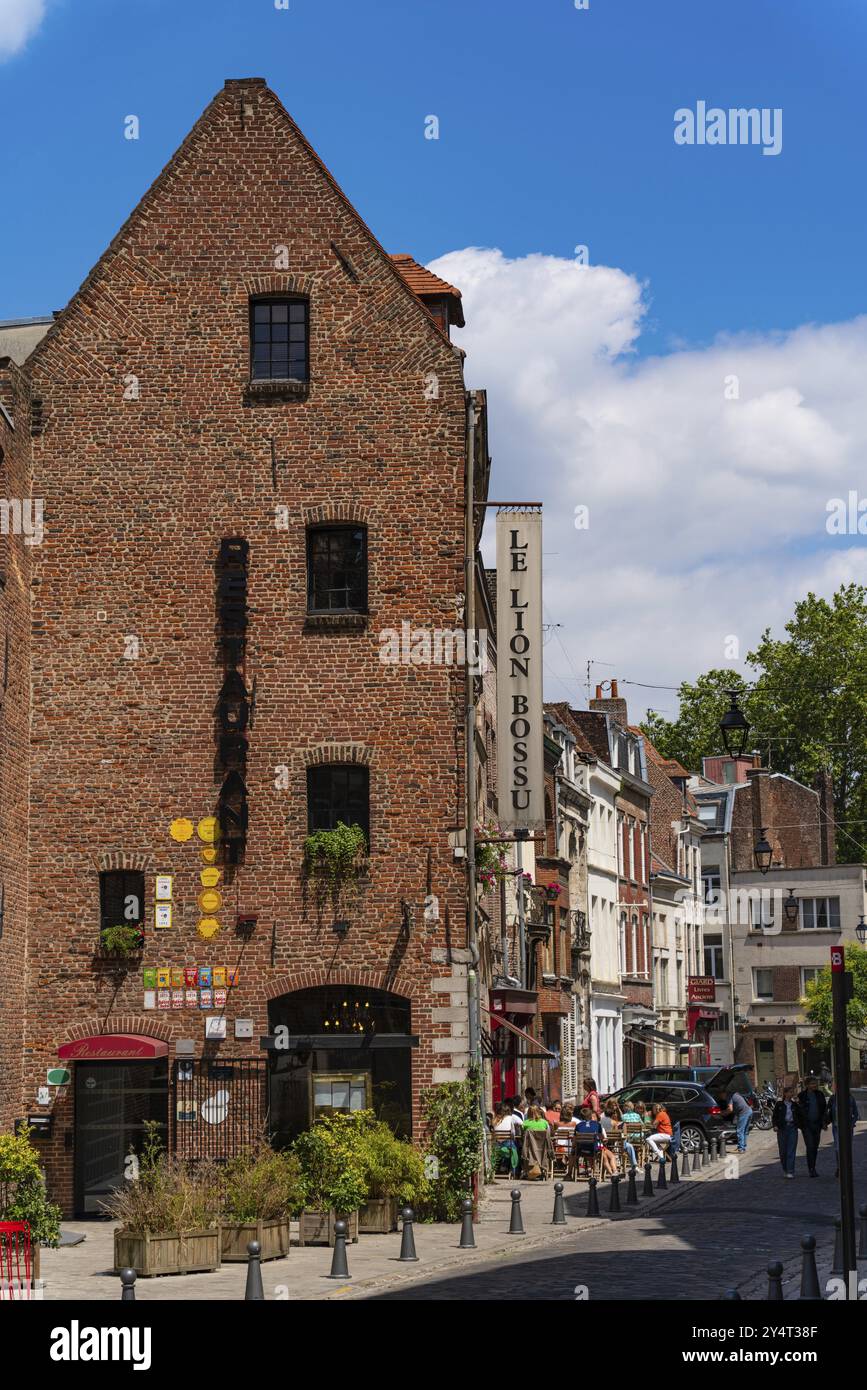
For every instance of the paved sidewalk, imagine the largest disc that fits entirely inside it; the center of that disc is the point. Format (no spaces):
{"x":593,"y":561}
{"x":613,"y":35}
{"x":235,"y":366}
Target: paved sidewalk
{"x":85,"y":1271}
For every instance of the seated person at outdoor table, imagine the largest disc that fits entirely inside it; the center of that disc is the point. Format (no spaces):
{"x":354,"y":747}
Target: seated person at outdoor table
{"x":587,"y":1126}
{"x":660,"y":1139}
{"x":552,"y":1114}
{"x":643,"y":1114}
{"x":504,"y":1129}
{"x":631,"y":1117}
{"x":536,"y":1148}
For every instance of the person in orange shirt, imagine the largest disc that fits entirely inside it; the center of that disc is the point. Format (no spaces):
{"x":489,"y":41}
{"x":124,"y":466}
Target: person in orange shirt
{"x":659,"y":1140}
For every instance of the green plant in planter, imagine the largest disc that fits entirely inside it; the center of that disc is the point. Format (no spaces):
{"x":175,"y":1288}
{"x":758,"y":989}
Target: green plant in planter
{"x":335,"y":859}
{"x":455,"y":1132}
{"x":168,"y":1194}
{"x":333,"y":1168}
{"x":124,"y":940}
{"x":393,"y":1168}
{"x":22,"y":1189}
{"x":261,"y":1185}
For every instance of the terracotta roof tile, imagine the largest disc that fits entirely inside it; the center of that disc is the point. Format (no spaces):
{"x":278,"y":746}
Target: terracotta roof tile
{"x":423,"y":282}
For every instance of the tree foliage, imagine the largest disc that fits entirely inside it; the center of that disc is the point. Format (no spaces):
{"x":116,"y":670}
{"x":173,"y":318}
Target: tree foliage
{"x":818,"y":1009}
{"x":807,"y":706}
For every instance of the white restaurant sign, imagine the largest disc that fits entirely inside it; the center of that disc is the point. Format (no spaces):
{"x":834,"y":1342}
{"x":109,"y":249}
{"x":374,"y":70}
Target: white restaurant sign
{"x":520,"y":768}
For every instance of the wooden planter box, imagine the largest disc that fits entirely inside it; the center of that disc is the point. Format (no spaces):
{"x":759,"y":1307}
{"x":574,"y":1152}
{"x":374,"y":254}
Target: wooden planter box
{"x":378,"y":1216}
{"x":167,"y":1252}
{"x":272,"y":1235}
{"x":317,"y":1227}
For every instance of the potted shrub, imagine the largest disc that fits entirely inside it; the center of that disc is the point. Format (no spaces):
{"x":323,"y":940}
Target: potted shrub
{"x":333,"y":1177}
{"x":169,"y":1215}
{"x":23,"y":1195}
{"x":394,"y":1172}
{"x":261,"y":1191}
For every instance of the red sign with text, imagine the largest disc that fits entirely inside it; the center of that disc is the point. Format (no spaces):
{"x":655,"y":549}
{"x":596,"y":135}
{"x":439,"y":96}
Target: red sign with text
{"x":838,"y":960}
{"x":701,"y":989}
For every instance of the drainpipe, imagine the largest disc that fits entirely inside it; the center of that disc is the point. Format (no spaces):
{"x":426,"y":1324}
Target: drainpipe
{"x":470,"y":632}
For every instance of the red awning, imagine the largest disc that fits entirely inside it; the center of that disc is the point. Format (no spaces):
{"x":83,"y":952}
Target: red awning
{"x":497,"y":1021}
{"x":114,"y":1047}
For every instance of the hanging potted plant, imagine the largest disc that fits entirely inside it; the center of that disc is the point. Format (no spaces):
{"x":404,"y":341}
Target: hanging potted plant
{"x":261,"y":1191}
{"x":335,"y":860}
{"x":122,"y":941}
{"x":552,"y":892}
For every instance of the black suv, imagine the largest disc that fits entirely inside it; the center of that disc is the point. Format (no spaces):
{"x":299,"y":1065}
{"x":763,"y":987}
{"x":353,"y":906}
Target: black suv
{"x":700,"y":1112}
{"x":720,"y":1080}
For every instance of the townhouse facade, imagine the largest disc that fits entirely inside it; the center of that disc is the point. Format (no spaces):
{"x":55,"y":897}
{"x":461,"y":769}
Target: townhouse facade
{"x":249,"y":432}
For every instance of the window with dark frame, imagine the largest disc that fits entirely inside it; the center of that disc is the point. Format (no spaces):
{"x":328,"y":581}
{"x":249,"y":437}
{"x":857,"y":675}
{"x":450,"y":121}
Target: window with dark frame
{"x":337,"y":569}
{"x":121,"y":893}
{"x":279,"y":340}
{"x":338,"y":792}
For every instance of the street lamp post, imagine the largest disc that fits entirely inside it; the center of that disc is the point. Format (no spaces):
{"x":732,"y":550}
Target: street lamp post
{"x":861,"y":930}
{"x":763,"y":851}
{"x":734,"y":727}
{"x":841,"y":992}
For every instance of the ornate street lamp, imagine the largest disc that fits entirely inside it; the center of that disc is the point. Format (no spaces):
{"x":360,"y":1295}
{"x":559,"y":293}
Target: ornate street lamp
{"x":790,"y":907}
{"x":763,"y":852}
{"x":734,"y":727}
{"x":861,"y":930}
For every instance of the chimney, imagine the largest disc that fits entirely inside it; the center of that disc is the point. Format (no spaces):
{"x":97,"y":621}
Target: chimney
{"x":760,"y":800}
{"x":824,"y":785}
{"x":613,"y":704}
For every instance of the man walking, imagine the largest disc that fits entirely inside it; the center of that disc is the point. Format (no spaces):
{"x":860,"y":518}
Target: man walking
{"x":812,"y":1104}
{"x":831,"y":1118}
{"x":739,"y":1109}
{"x":787,"y":1121}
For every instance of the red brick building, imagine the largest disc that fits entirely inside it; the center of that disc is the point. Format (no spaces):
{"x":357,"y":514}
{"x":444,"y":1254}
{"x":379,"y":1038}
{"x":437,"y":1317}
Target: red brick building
{"x":249,"y":431}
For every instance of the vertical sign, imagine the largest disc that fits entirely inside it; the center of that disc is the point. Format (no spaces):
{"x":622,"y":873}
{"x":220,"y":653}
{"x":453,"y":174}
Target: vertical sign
{"x":520,"y":768}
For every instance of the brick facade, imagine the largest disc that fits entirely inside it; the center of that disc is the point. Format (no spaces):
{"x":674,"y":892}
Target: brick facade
{"x":138,"y":494}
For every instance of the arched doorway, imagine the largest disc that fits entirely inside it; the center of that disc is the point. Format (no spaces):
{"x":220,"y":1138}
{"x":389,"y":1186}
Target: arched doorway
{"x":339,"y":1048}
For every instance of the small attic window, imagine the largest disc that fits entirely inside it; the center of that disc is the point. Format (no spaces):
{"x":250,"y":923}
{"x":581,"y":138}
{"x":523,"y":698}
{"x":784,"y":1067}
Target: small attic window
{"x":279,"y":340}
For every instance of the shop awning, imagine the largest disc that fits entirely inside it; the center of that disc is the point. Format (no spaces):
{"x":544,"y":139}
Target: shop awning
{"x":653,"y":1035}
{"x":497,"y":1021}
{"x":113,"y":1047}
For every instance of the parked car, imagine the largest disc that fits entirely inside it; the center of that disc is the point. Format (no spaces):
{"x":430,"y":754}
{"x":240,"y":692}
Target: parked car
{"x":701,"y":1114}
{"x":729,"y":1078}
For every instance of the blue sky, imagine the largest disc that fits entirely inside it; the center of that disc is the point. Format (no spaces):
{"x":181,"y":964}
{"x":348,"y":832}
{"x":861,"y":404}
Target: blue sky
{"x":608,"y":389}
{"x":556,"y":130}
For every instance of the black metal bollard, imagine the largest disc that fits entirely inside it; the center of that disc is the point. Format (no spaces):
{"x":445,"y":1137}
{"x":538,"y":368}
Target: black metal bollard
{"x":775,"y":1282}
{"x":661,"y":1183}
{"x":647,"y":1190}
{"x":837,"y":1266}
{"x":468,"y":1239}
{"x":127,"y":1280}
{"x":407,"y":1240}
{"x":254,"y":1293}
{"x":631,"y":1190}
{"x":862,"y":1243}
{"x":684,"y":1163}
{"x":732,"y":1293}
{"x":592,"y":1198}
{"x":614,"y":1194}
{"x":809,"y":1274}
{"x":711,"y":1150}
{"x":674,"y":1176}
{"x":516,"y":1224}
{"x":339,"y":1266}
{"x":559,"y":1217}
{"x":720,"y":1146}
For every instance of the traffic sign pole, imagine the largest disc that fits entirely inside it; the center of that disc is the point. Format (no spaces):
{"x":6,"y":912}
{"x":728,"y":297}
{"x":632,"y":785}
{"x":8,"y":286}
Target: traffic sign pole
{"x":841,"y":992}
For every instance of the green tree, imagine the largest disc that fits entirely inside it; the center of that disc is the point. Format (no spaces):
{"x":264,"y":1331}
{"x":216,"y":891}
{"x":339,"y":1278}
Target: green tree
{"x":807,"y":706}
{"x":818,"y":1008}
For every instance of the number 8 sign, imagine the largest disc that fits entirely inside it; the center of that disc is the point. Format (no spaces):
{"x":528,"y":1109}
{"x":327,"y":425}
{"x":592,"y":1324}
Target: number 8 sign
{"x":838,"y":957}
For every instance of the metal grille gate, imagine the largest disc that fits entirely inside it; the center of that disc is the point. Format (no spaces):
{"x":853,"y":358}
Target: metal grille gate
{"x":219,"y":1107}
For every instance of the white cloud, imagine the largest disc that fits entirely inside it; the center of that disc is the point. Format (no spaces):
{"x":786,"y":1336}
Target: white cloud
{"x":19,"y":20}
{"x":707,"y":514}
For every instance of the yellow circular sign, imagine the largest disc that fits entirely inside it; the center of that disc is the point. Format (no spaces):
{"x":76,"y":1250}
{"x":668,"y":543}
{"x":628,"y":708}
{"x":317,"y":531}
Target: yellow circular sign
{"x":181,"y":829}
{"x":209,"y":926}
{"x":209,"y":854}
{"x":209,"y":878}
{"x":207,"y":829}
{"x":209,"y":901}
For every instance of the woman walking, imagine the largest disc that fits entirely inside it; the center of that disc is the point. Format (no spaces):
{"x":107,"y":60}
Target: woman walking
{"x":787,"y":1120}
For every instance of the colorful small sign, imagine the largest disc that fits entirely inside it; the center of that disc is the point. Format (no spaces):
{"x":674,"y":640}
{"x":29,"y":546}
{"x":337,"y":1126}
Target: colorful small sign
{"x":209,"y":878}
{"x":232,"y":976}
{"x":219,"y":999}
{"x":209,"y":901}
{"x":207,"y":829}
{"x":163,"y":891}
{"x":164,"y":977}
{"x":206,"y":999}
{"x":149,"y":977}
{"x":177,"y":998}
{"x":58,"y":1076}
{"x":208,"y":927}
{"x":192,"y":998}
{"x":219,"y":977}
{"x":191,"y":976}
{"x":177,"y":976}
{"x":209,"y":854}
{"x":205,"y":976}
{"x":181,"y":829}
{"x":164,"y":998}
{"x":162,"y":916}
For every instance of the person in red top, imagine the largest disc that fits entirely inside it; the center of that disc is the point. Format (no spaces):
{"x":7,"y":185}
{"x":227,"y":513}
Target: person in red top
{"x":660,"y":1139}
{"x":592,"y":1098}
